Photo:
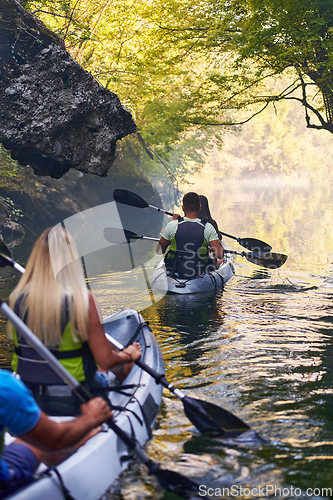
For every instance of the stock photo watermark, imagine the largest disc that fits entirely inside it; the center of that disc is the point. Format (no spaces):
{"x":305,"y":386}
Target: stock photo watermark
{"x":261,"y":491}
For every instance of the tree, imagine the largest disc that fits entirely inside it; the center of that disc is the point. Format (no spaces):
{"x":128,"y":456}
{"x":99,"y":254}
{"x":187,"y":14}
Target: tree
{"x":295,"y":35}
{"x":239,"y":45}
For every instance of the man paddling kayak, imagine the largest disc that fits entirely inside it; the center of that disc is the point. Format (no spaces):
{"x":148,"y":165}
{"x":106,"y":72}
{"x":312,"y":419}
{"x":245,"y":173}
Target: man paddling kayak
{"x":190,"y":239}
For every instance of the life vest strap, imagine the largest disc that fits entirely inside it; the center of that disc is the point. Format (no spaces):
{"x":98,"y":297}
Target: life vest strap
{"x":58,"y":354}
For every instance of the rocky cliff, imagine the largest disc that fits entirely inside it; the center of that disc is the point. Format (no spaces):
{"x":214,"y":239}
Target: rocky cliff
{"x":53,"y":114}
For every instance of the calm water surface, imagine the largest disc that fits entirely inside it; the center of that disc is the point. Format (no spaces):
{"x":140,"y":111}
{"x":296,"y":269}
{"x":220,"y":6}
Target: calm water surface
{"x":261,"y":348}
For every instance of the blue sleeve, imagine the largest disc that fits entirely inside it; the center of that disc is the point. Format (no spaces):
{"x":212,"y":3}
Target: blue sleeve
{"x":19,"y":411}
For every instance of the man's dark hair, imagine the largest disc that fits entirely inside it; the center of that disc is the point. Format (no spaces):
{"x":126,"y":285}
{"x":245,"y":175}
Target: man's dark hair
{"x":191,"y":202}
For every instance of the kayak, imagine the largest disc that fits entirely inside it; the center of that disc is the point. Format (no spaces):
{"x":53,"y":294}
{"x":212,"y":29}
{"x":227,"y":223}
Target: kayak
{"x":90,"y":472}
{"x":163,"y":281}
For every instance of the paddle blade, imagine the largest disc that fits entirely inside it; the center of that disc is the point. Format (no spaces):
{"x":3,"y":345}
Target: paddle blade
{"x":5,"y":255}
{"x":267,"y":259}
{"x":174,"y":482}
{"x":118,"y":236}
{"x":128,"y":198}
{"x":208,"y":417}
{"x":5,"y":261}
{"x":254,"y":245}
{"x":4,"y":250}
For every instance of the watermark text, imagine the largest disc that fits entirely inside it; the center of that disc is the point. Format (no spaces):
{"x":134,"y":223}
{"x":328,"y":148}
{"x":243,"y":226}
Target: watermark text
{"x":267,"y":490}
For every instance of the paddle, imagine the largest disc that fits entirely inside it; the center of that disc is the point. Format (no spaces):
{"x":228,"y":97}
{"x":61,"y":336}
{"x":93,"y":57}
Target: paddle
{"x":264,"y":259}
{"x":6,"y":258}
{"x":269,"y":260}
{"x":116,"y":235}
{"x":250,"y":243}
{"x":134,"y":200}
{"x":206,"y":417}
{"x":170,"y":480}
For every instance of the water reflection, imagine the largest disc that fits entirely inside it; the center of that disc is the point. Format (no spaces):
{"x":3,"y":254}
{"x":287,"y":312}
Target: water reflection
{"x":189,"y":320}
{"x":265,"y":361}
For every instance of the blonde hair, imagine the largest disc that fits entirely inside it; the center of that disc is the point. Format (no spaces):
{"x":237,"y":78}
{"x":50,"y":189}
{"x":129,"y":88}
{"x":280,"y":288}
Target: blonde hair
{"x":53,"y":273}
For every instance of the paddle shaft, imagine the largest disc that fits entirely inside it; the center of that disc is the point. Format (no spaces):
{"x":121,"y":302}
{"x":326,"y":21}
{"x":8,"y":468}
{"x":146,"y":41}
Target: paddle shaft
{"x":234,"y":252}
{"x":229,"y":235}
{"x":13,"y":264}
{"x":252,"y":254}
{"x":160,"y":210}
{"x":160,"y":378}
{"x":146,"y":238}
{"x":18,"y":267}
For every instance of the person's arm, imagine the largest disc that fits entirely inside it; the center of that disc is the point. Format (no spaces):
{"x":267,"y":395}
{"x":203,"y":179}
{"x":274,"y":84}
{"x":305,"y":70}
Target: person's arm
{"x":213,"y":241}
{"x":49,"y":435}
{"x":217,"y":248}
{"x":105,"y":354}
{"x":162,"y":245}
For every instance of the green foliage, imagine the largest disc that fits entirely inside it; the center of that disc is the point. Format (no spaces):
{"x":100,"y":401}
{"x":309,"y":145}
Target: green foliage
{"x":116,"y":42}
{"x":238,"y":44}
{"x":183,"y":65}
{"x":9,"y":168}
{"x":13,"y":211}
{"x":10,"y":176}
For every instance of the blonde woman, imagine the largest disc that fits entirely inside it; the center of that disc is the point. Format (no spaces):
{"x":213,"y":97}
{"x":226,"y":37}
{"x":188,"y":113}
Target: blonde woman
{"x":53,"y":300}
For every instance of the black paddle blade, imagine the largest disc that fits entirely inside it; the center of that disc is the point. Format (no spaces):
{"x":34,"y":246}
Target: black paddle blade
{"x":174,"y":482}
{"x":208,"y":417}
{"x":254,"y":245}
{"x":267,"y":259}
{"x":5,"y":261}
{"x":4,"y":251}
{"x":116,"y":235}
{"x":5,"y":255}
{"x":128,"y":198}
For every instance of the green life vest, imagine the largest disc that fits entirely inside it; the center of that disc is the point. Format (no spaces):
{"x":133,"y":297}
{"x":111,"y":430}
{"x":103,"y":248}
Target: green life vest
{"x":75,"y":356}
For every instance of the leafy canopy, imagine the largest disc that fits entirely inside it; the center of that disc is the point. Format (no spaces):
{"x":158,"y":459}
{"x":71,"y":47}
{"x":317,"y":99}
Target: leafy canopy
{"x":234,"y":47}
{"x":181,"y":65}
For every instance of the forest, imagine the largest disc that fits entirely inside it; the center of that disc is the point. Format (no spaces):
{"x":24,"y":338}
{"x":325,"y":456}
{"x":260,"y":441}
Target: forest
{"x":200,"y":77}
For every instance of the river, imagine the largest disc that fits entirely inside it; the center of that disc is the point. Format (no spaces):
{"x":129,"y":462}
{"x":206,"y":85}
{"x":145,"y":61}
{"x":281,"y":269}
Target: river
{"x":261,"y":348}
